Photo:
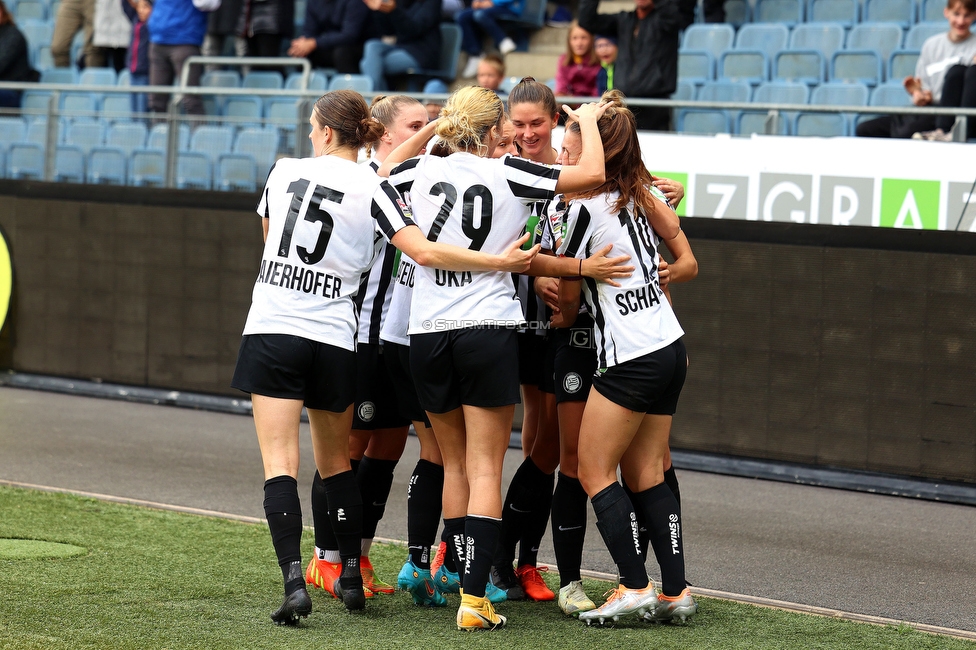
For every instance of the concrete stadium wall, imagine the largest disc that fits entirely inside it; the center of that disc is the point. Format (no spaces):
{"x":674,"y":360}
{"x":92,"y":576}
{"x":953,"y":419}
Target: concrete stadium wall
{"x":833,"y":346}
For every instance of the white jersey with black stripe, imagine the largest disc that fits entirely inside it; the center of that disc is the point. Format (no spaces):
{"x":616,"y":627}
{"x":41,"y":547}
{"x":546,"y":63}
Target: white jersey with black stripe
{"x":328,"y":218}
{"x":476,"y":203}
{"x":373,"y":299}
{"x":635,"y":318}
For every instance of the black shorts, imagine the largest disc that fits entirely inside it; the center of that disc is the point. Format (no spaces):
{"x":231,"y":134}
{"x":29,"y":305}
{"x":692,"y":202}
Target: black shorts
{"x":472,"y":366}
{"x":648,"y":384}
{"x":574,"y":361}
{"x":547,"y":374}
{"x":530,"y":351}
{"x":397,"y":359}
{"x":376,"y":404}
{"x":293,"y":367}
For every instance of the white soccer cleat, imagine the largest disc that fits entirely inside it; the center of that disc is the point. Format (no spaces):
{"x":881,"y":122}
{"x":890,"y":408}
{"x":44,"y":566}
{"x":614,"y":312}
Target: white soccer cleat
{"x":669,"y":608}
{"x":573,"y":601}
{"x":623,"y":601}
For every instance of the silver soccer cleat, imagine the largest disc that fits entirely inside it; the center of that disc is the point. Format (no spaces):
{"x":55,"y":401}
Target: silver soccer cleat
{"x":681,"y":607}
{"x":622,"y":601}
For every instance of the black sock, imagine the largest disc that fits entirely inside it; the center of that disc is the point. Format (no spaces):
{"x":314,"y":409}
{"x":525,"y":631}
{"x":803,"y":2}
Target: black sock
{"x":672,"y":480}
{"x":325,"y":537}
{"x":568,"y":527}
{"x":539,"y":499}
{"x":617,"y":521}
{"x":346,"y":513}
{"x":424,"y":496}
{"x":283,"y":509}
{"x":375,"y":478}
{"x":481,"y":537}
{"x":525,"y":504}
{"x":662,"y":513}
{"x":454,"y":532}
{"x":643,"y":528}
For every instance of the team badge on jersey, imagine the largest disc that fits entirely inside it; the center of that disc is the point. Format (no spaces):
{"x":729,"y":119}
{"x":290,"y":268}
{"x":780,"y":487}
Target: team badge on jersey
{"x":367,"y":411}
{"x":572,"y":382}
{"x":404,"y":208}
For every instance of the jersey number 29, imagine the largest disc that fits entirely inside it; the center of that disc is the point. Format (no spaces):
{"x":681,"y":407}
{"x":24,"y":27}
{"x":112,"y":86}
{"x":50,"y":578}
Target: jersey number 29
{"x":477,"y":234}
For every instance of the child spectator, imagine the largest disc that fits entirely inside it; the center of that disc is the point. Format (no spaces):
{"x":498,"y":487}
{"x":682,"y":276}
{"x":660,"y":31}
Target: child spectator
{"x":491,"y":72}
{"x":578,"y":67}
{"x":137,"y":63}
{"x":14,"y":63}
{"x":483,"y":13}
{"x":944,"y":77}
{"x":606,"y":50}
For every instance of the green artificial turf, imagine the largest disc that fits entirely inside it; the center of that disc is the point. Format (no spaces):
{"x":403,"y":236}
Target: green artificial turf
{"x":157,"y":579}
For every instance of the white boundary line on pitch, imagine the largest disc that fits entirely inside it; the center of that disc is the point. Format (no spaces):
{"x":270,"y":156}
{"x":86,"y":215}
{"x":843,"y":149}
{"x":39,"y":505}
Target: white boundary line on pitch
{"x":711,"y":593}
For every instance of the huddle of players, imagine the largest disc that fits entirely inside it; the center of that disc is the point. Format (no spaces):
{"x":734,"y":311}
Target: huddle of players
{"x":434,"y":368}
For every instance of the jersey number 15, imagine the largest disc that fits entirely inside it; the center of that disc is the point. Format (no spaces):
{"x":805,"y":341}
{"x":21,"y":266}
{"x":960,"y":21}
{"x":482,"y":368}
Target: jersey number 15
{"x":319,"y":215}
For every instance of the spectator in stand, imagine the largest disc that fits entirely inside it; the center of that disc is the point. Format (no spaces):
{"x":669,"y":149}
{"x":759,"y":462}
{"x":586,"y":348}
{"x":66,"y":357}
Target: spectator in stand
{"x":111,"y":36}
{"x":176,"y":31}
{"x":221,"y":25}
{"x":73,"y":16}
{"x":647,"y":61}
{"x":265,"y":24}
{"x":944,"y":76}
{"x":405,"y":35}
{"x":138,"y":12}
{"x":606,"y":50}
{"x":578,"y":68}
{"x":14,"y":62}
{"x":491,"y":72}
{"x":713,"y":11}
{"x":483,"y":13}
{"x":332,"y":36}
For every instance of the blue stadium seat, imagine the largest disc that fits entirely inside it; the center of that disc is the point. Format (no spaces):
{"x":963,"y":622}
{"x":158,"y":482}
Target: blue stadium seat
{"x":695,"y":66}
{"x":127,"y":136}
{"x":533,"y":15}
{"x":768,"y":37}
{"x":826,"y":37}
{"x":42,"y":58}
{"x":212,"y":140}
{"x":3,"y":164}
{"x":37,"y":131}
{"x":788,"y":12}
{"x":214,"y":104}
{"x":147,"y":168}
{"x":890,"y":94}
{"x":97,"y":77}
{"x":29,"y":10}
{"x":840,"y":94}
{"x":106,"y":165}
{"x":862,"y":66}
{"x":159,"y":133}
{"x":897,"y":11}
{"x":358,"y":82}
{"x":844,"y":12}
{"x":25,"y":160}
{"x":807,"y":66}
{"x":931,"y":10}
{"x":243,"y":107}
{"x":79,"y":105}
{"x":725,"y":91}
{"x":902,"y":64}
{"x":117,"y":108}
{"x":12,"y":129}
{"x":712,"y":38}
{"x":883,"y":37}
{"x":262,"y":79}
{"x":34,"y":103}
{"x":86,"y":135}
{"x":685,"y":91}
{"x":69,"y":165}
{"x":821,"y":124}
{"x":447,"y":61}
{"x":750,"y":122}
{"x":193,"y":170}
{"x":737,"y":12}
{"x":59,"y":76}
{"x":236,"y":173}
{"x":918,"y":34}
{"x":744,"y":65}
{"x":260,"y":144}
{"x":317,"y":80}
{"x":36,"y":32}
{"x":704,"y":122}
{"x":831,"y":124}
{"x":124,"y":78}
{"x":774,"y":92}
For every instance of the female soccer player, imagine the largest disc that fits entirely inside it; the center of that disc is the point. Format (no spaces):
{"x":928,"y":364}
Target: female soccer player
{"x":323,"y":220}
{"x":642,"y":365}
{"x":462,"y":325}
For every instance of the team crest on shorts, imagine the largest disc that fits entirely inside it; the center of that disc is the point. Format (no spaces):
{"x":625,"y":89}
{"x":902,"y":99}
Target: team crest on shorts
{"x":367,"y":410}
{"x":572,"y":382}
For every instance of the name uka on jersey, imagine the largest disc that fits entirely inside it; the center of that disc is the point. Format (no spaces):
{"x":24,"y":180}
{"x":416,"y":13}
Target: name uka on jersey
{"x":298,"y":278}
{"x":634,"y":300}
{"x":452,"y":278}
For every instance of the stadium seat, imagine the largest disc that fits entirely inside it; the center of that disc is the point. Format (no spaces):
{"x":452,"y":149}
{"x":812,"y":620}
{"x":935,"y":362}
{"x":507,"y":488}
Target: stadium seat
{"x":42,"y":58}
{"x":106,"y":165}
{"x":844,"y":12}
{"x":59,"y":76}
{"x":117,"y":107}
{"x":826,"y":37}
{"x":260,"y":144}
{"x":97,"y":77}
{"x":29,"y":10}
{"x":12,"y":129}
{"x":36,"y":32}
{"x":918,"y":34}
{"x":695,"y":66}
{"x":37,"y":131}
{"x":774,"y":92}
{"x":262,"y":79}
{"x":902,"y":64}
{"x":768,"y":37}
{"x":831,"y":124}
{"x":158,"y":137}
{"x":446,"y":69}
{"x":318,"y":80}
{"x":897,"y":11}
{"x":840,"y":94}
{"x":712,"y":38}
{"x":533,"y":15}
{"x":244,"y":108}
{"x":236,"y":173}
{"x":821,"y":124}
{"x":788,"y":12}
{"x":124,"y":78}
{"x":86,"y":135}
{"x":213,"y":104}
{"x":931,"y":10}
{"x":744,"y":65}
{"x":147,"y":168}
{"x":193,"y":170}
{"x":79,"y":105}
{"x":69,"y":165}
{"x":25,"y":160}
{"x":212,"y":140}
{"x":862,"y":66}
{"x":127,"y":136}
{"x":704,"y":121}
{"x":890,"y":94}
{"x":358,"y":82}
{"x":684,"y":92}
{"x":750,"y":122}
{"x":737,"y":12}
{"x":883,"y":37}
{"x":34,"y":103}
{"x":3,"y":163}
{"x":725,"y":91}
{"x":807,"y":66}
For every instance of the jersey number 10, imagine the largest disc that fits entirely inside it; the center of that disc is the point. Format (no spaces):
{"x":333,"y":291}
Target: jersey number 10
{"x":319,"y":193}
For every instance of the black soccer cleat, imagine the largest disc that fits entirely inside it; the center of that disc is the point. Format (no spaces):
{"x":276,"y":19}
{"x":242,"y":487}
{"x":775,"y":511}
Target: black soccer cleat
{"x":503,"y":577}
{"x":297,"y":605}
{"x":353,"y":596}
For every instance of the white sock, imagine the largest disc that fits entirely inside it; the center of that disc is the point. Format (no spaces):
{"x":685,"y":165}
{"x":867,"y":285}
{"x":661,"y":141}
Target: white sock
{"x":332,"y":557}
{"x":366,"y":545}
